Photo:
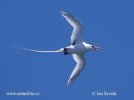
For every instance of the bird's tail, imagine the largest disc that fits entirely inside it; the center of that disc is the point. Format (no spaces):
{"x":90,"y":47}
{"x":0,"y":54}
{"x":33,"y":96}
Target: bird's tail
{"x":41,"y":51}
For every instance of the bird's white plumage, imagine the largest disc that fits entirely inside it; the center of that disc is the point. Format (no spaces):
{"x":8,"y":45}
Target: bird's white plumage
{"x":78,"y":47}
{"x":80,"y":60}
{"x":76,"y":36}
{"x":41,"y":51}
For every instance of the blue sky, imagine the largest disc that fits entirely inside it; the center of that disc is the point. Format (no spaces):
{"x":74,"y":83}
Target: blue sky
{"x":37,"y":24}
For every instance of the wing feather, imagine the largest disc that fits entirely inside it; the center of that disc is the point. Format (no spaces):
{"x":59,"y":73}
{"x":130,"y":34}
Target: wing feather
{"x":80,"y":60}
{"x":76,"y":36}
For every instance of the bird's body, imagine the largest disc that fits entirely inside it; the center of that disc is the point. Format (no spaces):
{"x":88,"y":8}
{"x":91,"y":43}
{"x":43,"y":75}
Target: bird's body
{"x":81,"y":47}
{"x":78,"y":47}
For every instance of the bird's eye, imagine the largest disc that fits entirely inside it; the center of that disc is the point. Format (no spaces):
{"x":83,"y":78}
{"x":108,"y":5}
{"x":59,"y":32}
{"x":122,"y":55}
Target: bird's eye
{"x":93,"y":46}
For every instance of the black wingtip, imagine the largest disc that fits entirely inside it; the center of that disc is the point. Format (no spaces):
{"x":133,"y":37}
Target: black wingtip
{"x":62,"y":12}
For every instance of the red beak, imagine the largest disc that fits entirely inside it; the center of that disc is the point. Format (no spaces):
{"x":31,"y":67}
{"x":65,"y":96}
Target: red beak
{"x":96,"y":48}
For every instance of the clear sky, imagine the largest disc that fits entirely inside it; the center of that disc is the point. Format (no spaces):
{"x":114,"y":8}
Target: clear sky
{"x":37,"y":24}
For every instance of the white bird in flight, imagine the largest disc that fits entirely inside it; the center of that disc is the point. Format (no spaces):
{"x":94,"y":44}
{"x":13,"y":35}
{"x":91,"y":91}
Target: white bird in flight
{"x":78,"y":47}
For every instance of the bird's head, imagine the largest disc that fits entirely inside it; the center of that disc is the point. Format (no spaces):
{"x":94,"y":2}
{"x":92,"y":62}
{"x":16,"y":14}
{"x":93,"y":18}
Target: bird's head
{"x":95,"y":48}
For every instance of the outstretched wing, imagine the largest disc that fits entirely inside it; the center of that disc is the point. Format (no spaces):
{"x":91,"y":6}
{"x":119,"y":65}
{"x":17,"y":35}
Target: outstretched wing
{"x":80,"y":60}
{"x":77,"y":27}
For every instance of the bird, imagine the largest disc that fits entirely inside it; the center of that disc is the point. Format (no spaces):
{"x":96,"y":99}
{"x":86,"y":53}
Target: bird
{"x":78,"y":48}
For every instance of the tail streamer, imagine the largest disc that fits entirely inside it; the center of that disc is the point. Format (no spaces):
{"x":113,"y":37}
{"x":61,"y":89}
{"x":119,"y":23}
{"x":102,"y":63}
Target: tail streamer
{"x":40,"y":51}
